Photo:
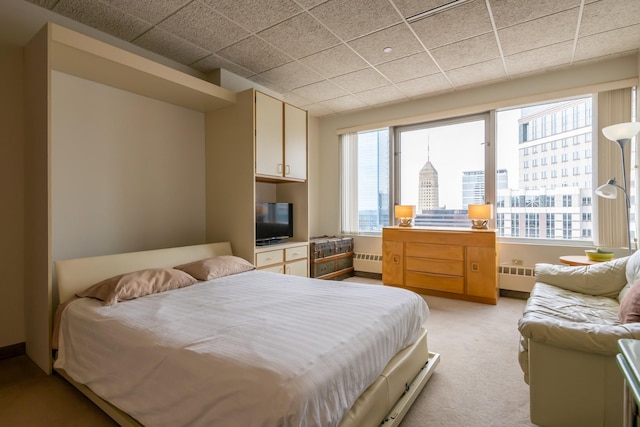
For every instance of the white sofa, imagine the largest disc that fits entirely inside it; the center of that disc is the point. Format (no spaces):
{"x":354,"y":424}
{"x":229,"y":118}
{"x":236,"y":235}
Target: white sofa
{"x":569,"y":334}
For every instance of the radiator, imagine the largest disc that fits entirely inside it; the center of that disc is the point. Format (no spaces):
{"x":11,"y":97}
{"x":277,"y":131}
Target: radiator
{"x":516,"y":277}
{"x":368,"y":263}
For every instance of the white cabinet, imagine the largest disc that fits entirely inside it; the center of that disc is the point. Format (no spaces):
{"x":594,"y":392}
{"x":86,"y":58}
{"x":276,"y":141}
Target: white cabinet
{"x":281,"y":139}
{"x":295,"y":142}
{"x":289,"y":258}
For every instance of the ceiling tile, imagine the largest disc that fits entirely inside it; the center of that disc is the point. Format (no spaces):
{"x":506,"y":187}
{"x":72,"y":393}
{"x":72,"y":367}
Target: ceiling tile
{"x":466,"y":52}
{"x":413,"y":7}
{"x":398,"y":37}
{"x":335,"y":61}
{"x":539,"y":59}
{"x":255,"y":55}
{"x":321,"y":91}
{"x":257,"y":78}
{"x":300,"y":36}
{"x":294,"y":99}
{"x":510,"y":12}
{"x":202,"y":26}
{"x":152,"y":11}
{"x":473,"y":74}
{"x":102,"y":17}
{"x":318,"y":110}
{"x":610,"y":42}
{"x":255,"y":15}
{"x":361,"y":80}
{"x":455,"y":24}
{"x":344,"y":103}
{"x":408,"y":68}
{"x":425,"y":85}
{"x":354,"y":18}
{"x":292,"y":75}
{"x":159,"y":41}
{"x":381,"y":95}
{"x":545,"y":31}
{"x":212,"y":62}
{"x":606,"y":15}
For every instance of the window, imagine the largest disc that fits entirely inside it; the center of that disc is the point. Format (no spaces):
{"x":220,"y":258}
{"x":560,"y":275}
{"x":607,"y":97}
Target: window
{"x":534,"y":196}
{"x":532,"y":225}
{"x":365,"y":181}
{"x":550,"y":226}
{"x":433,"y":176}
{"x":567,"y":133}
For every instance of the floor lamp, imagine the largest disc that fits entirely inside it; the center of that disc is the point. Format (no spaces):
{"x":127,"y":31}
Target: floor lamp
{"x":622,"y":134}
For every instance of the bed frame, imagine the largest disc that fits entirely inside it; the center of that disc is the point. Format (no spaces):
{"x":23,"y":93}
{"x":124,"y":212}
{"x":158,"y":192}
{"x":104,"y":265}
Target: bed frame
{"x":385,"y":402}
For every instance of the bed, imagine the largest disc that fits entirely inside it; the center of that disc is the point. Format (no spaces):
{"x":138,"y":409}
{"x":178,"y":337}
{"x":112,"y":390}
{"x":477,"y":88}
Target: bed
{"x":251,"y":348}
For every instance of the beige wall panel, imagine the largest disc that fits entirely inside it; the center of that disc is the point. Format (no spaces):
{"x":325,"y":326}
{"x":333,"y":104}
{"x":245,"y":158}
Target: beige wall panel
{"x":128,"y":172}
{"x":11,"y":193}
{"x":37,"y":276}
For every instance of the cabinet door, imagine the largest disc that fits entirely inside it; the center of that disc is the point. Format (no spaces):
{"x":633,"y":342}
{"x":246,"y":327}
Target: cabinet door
{"x":295,"y":142}
{"x":297,"y":268}
{"x":481,"y":272}
{"x":269,"y":136}
{"x":392,"y":263}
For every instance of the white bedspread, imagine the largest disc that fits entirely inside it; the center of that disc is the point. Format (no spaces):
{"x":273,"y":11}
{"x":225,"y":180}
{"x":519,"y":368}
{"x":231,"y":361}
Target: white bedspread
{"x":252,"y":349}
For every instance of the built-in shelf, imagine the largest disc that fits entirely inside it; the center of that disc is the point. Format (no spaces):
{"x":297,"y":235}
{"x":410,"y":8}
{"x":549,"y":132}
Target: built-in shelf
{"x":82,"y":56}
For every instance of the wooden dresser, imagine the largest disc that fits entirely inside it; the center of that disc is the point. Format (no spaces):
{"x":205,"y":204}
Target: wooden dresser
{"x":453,"y":263}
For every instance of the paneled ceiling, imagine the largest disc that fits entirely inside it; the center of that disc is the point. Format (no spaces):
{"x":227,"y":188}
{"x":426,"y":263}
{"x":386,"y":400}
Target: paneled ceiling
{"x":340,"y":55}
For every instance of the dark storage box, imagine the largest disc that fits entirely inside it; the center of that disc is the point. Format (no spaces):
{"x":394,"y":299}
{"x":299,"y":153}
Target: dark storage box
{"x":331,"y":257}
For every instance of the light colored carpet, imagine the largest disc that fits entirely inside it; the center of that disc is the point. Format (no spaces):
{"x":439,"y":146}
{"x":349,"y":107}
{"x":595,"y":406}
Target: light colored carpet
{"x":477,"y":383}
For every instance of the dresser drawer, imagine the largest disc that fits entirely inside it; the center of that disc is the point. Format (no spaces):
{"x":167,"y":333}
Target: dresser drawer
{"x":297,"y":252}
{"x":453,"y":284}
{"x":269,"y":257}
{"x":425,"y":250}
{"x":428,"y":265}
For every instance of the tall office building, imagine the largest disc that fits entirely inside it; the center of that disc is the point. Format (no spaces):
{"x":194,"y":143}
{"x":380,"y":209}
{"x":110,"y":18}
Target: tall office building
{"x":428,"y":188}
{"x":554,"y":196}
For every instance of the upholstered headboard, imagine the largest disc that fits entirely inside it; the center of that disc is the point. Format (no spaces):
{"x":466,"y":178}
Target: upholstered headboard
{"x":75,"y":275}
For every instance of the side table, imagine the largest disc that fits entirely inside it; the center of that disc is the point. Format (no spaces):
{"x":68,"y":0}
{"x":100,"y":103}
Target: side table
{"x":577,"y":260}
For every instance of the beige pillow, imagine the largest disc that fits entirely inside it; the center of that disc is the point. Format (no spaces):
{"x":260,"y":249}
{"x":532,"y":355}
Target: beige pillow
{"x":629,"y":311}
{"x":220,"y":266}
{"x":137,"y":284}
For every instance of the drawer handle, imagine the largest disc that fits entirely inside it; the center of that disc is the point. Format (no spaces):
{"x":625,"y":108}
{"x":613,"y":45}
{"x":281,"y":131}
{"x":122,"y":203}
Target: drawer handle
{"x":396,"y":259}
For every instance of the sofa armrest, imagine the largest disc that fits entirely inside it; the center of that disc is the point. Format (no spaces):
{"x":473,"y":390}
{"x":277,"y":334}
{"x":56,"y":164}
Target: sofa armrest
{"x":586,"y":337}
{"x":602,"y":279}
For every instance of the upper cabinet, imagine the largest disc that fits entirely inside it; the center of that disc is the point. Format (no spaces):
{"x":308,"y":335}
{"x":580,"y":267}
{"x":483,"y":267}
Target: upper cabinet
{"x":281,"y":140}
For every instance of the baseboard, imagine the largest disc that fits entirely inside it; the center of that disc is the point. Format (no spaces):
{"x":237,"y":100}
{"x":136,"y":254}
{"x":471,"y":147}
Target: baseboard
{"x":514,"y":294}
{"x":376,"y":276}
{"x":13,"y":350}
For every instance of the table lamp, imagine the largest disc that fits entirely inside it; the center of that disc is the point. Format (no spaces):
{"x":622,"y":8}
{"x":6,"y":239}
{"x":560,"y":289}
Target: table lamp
{"x":479,"y":215}
{"x":405,"y":213}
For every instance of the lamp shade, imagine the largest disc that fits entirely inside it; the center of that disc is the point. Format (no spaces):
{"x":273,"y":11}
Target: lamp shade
{"x":480,"y":211}
{"x":621,"y":131}
{"x":405,"y":213}
{"x":608,"y":190}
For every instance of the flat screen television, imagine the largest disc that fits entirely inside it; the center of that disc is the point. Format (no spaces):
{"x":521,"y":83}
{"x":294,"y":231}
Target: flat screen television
{"x":274,"y":222}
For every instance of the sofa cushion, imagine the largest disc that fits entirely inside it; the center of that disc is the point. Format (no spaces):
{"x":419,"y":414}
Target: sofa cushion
{"x":575,"y":321}
{"x":629,"y":311}
{"x":603,"y":279}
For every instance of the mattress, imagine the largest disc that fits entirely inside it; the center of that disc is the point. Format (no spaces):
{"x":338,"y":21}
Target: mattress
{"x":251,"y":349}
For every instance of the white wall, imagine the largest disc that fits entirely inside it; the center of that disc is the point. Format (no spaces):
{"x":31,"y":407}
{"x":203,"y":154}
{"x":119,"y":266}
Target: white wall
{"x":553,"y":84}
{"x":12,"y":326}
{"x":128,"y":172}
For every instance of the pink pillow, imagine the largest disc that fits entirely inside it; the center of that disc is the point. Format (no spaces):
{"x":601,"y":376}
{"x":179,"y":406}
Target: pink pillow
{"x":220,"y":266}
{"x":629,"y":311}
{"x":137,"y":284}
